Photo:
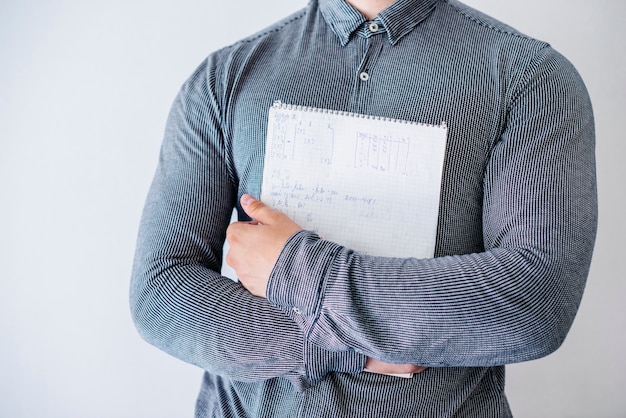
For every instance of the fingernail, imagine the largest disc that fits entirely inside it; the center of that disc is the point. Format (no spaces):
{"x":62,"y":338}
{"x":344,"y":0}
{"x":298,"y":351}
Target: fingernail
{"x":246,"y":199}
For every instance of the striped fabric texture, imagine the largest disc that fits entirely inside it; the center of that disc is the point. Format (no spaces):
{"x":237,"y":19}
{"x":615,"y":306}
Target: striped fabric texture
{"x":516,"y":229}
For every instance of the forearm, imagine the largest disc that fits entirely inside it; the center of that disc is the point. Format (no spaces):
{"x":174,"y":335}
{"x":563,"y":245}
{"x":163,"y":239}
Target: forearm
{"x":483,"y":309}
{"x":184,"y":307}
{"x":176,"y":311}
{"x":513,"y":302}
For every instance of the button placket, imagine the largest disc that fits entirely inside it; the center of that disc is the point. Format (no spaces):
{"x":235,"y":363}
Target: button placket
{"x":374,"y":28}
{"x":366,"y":74}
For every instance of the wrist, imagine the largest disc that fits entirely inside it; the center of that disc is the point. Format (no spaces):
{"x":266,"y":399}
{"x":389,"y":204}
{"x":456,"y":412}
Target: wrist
{"x":297,"y":278}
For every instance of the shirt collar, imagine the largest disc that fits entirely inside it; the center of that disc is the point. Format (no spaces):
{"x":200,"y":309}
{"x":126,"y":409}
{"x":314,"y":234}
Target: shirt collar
{"x":398,"y":19}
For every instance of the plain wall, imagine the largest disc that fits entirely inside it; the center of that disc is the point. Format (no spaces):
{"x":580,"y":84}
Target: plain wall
{"x":85,"y":88}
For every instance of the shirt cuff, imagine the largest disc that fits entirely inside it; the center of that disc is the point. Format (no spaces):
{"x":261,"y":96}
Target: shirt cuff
{"x":297,"y":280}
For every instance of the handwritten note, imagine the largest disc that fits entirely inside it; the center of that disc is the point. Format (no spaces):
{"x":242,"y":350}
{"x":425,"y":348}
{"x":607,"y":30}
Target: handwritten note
{"x":367,"y":183}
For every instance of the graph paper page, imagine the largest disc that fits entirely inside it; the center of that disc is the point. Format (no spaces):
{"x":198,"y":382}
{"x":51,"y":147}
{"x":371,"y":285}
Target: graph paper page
{"x":370,"y":184}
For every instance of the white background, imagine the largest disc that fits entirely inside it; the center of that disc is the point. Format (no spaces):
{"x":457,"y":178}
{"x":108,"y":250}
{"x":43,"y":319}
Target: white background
{"x":85,"y":87}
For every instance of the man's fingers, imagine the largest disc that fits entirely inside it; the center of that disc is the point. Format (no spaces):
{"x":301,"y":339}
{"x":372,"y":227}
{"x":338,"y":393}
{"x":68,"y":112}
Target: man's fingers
{"x":378,"y":366}
{"x":257,"y":210}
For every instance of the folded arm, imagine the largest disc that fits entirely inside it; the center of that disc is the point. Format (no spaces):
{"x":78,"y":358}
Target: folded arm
{"x":179,"y":300}
{"x":514,"y":301}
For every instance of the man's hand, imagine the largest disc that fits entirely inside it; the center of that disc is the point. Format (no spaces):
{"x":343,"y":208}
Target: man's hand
{"x":378,"y":366}
{"x":254,"y":249}
{"x":255,"y":246}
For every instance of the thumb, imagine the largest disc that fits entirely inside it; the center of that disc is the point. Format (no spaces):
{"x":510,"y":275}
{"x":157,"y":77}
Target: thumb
{"x":257,"y":210}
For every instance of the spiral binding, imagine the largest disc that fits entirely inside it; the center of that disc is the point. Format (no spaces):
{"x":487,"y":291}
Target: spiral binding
{"x":280,"y":105}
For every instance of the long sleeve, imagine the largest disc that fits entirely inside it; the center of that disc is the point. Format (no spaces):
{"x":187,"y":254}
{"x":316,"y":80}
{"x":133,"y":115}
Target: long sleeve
{"x":179,"y":300}
{"x":512,"y":302}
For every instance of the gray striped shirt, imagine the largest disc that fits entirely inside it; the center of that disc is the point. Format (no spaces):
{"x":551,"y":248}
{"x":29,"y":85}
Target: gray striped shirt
{"x":516,"y":228}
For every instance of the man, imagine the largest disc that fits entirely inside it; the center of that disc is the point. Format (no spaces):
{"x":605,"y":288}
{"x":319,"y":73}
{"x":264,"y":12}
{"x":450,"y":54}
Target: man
{"x":516,"y":227}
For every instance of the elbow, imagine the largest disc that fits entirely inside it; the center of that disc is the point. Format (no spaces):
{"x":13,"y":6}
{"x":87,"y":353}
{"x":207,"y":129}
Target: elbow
{"x":544,"y":341}
{"x":554,"y":320}
{"x":142,"y":305}
{"x":552,"y":296}
{"x":137,"y":304}
{"x":545,"y":332}
{"x":137,"y":309}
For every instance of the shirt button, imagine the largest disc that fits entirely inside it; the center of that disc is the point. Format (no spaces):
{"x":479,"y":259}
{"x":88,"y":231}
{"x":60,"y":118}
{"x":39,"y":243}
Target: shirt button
{"x":296,"y":310}
{"x":364,"y":76}
{"x":373,"y":27}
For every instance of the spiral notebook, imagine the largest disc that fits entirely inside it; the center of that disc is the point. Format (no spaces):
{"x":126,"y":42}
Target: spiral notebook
{"x":369,"y":183}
